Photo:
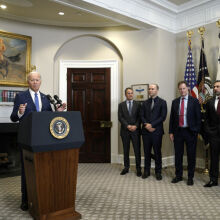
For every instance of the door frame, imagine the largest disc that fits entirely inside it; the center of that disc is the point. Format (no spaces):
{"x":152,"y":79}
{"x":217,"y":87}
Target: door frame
{"x":114,"y":85}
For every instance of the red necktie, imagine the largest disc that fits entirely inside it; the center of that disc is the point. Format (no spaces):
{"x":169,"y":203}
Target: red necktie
{"x":181,"y":116}
{"x":218,"y":107}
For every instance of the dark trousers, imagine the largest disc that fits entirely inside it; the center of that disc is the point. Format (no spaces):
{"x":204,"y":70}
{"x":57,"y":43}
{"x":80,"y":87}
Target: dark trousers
{"x":184,"y":135}
{"x":151,"y":140}
{"x":23,"y":181}
{"x":135,"y":138}
{"x":215,"y":151}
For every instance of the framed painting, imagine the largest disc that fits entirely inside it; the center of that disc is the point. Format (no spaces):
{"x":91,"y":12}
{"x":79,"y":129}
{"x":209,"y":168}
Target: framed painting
{"x":15,"y":58}
{"x":140,"y":92}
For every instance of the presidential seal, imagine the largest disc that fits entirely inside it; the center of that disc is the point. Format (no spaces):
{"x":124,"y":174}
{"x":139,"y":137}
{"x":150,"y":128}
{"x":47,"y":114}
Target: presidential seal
{"x":59,"y":127}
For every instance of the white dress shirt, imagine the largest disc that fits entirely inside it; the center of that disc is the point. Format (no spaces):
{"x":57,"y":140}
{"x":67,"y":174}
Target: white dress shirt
{"x":127,"y":102}
{"x":33,"y":97}
{"x":216,"y":102}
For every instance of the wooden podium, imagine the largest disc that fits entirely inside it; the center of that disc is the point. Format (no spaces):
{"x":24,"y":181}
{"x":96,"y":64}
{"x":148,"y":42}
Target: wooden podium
{"x":51,"y":163}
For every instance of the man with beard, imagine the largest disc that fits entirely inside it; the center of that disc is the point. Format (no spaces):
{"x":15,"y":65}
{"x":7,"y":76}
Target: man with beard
{"x":212,"y":129}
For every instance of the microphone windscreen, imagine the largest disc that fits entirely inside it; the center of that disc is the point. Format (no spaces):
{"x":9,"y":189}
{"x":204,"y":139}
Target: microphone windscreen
{"x":56,"y":97}
{"x":50,"y":98}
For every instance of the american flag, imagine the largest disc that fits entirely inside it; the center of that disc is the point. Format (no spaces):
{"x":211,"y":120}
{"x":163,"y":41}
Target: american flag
{"x":190,"y":75}
{"x":204,"y":84}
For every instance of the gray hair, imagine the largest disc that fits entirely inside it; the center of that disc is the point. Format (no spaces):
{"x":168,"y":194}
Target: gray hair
{"x":32,"y":72}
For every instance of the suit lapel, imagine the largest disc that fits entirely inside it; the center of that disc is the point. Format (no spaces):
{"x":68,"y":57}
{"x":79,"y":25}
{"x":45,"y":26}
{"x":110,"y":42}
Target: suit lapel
{"x":42,"y":96}
{"x":213,"y":104}
{"x":30,"y":100}
{"x":156,"y":103}
{"x":189,"y":105}
{"x":124,"y":104}
{"x":177,"y":104}
{"x":134,"y":107}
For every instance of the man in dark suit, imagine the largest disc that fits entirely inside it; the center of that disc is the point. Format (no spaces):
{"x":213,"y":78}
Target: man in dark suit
{"x":212,"y":130}
{"x":185,"y":122}
{"x":128,"y":115}
{"x":153,"y":114}
{"x":25,"y":102}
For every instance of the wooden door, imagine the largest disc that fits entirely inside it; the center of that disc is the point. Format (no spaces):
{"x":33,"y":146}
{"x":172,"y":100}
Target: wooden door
{"x":88,"y":91}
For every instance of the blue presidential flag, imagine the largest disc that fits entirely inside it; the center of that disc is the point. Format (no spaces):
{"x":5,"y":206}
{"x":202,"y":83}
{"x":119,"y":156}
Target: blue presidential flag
{"x":205,"y":90}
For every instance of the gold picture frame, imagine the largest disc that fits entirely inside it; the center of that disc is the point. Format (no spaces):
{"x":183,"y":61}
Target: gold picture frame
{"x":15,"y":59}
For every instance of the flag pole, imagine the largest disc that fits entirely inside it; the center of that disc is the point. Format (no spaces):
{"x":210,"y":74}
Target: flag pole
{"x":201,"y":31}
{"x":218,"y":72}
{"x":189,"y":34}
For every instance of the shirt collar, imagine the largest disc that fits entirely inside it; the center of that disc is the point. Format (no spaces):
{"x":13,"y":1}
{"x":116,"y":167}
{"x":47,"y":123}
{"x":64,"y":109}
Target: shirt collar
{"x":33,"y":92}
{"x":127,"y":101}
{"x":185,"y":97}
{"x":154,"y":98}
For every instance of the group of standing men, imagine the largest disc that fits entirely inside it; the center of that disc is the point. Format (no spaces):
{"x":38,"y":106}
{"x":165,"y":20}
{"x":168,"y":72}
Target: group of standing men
{"x":184,"y":127}
{"x":185,"y":121}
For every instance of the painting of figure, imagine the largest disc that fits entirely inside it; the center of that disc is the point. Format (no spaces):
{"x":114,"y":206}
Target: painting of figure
{"x":14,"y":59}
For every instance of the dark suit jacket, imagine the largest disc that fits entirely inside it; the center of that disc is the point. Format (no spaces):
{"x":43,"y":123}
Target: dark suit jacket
{"x":193,"y":115}
{"x":156,"y":117}
{"x":212,"y":120}
{"x":25,"y":97}
{"x":126,"y":119}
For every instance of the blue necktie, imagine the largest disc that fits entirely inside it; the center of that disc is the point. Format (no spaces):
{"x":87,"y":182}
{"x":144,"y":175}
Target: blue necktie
{"x":36,"y":102}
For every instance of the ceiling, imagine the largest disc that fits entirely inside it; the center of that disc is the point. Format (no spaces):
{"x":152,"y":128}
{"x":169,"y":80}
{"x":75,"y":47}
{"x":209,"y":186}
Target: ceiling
{"x":98,"y":13}
{"x":46,"y":12}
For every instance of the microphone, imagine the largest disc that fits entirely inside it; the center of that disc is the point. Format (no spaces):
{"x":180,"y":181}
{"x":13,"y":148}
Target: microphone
{"x":56,"y":97}
{"x":52,"y":101}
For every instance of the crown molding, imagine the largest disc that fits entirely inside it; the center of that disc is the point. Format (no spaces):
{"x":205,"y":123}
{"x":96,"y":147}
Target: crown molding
{"x":158,"y":13}
{"x":179,"y":8}
{"x":139,"y":14}
{"x":192,"y":4}
{"x":198,"y":16}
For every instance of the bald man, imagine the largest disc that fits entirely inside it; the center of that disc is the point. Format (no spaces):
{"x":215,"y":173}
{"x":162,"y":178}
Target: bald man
{"x":25,"y":102}
{"x":153,"y":113}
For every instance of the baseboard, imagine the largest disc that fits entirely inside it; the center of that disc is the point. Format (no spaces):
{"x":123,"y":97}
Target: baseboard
{"x":166,"y":161}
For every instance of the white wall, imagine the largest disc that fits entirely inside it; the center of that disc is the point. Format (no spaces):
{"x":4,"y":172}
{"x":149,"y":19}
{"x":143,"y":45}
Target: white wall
{"x":148,"y":56}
